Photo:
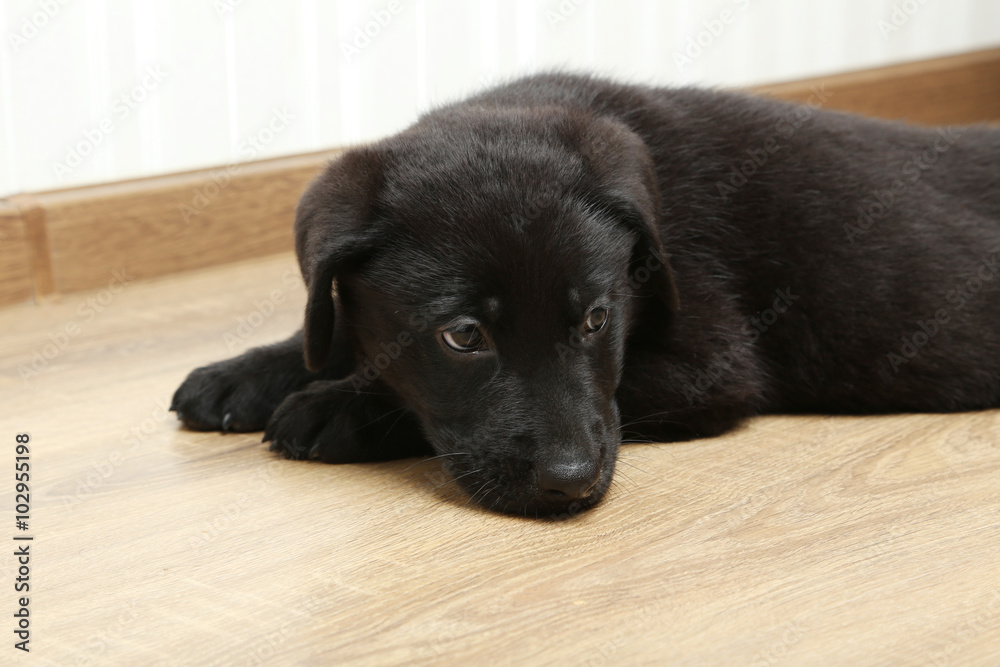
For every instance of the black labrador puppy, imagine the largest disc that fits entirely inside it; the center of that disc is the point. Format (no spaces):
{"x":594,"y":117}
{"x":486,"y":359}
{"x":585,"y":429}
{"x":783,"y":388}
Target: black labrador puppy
{"x":520,"y":280}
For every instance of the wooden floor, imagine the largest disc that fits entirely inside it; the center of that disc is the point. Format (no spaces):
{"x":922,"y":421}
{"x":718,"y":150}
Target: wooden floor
{"x":805,"y":540}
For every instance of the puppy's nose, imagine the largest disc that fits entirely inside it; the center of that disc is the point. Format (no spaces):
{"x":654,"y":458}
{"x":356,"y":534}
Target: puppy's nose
{"x":569,"y":479}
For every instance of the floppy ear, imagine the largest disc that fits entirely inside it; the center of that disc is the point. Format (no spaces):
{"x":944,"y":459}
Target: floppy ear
{"x":334,"y":235}
{"x":624,"y":185}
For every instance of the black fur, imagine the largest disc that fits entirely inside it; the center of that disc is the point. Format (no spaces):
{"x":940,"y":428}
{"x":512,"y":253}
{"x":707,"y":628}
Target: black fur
{"x":755,"y":256}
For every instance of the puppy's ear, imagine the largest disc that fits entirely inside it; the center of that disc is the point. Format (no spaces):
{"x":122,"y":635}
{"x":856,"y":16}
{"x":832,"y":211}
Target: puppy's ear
{"x":335,"y":232}
{"x":624,"y":185}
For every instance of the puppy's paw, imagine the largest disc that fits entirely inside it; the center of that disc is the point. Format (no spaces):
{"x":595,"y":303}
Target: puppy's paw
{"x":332,"y":422}
{"x":231,"y":395}
{"x":317,"y":423}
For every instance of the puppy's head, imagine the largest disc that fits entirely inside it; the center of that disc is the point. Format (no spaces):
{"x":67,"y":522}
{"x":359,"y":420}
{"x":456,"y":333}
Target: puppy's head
{"x":489,"y":268}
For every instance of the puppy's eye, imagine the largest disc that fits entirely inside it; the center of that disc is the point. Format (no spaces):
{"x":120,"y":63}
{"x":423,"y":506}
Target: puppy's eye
{"x":596,"y":320}
{"x":465,"y":338}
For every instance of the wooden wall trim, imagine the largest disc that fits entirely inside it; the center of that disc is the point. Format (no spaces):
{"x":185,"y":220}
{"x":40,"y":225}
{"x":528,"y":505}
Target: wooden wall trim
{"x":953,"y":90}
{"x":157,"y":226}
{"x":16,"y":280}
{"x":35,"y":225}
{"x":69,"y":240}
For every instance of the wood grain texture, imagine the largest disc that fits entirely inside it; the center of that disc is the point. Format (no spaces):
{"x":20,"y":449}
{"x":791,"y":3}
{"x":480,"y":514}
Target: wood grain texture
{"x":16,"y":281}
{"x":955,"y":90}
{"x":796,"y":540}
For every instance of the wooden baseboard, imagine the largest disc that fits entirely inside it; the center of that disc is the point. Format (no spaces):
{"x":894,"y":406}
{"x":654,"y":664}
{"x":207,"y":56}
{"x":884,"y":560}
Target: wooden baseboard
{"x":166,"y":224}
{"x":954,"y":90}
{"x":16,"y":281}
{"x":65,"y":241}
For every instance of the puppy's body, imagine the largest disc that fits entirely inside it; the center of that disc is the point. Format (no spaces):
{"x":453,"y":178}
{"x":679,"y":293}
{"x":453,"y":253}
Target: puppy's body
{"x":753,"y":256}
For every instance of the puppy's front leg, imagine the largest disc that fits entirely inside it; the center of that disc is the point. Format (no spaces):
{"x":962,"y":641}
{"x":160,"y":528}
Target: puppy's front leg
{"x":239,"y":394}
{"x":345,"y":421}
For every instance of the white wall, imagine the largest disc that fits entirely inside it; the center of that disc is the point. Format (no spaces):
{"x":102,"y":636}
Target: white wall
{"x":100,"y":90}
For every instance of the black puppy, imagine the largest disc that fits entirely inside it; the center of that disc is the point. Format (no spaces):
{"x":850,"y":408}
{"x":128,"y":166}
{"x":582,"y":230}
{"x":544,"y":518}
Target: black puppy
{"x":525,"y":278}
